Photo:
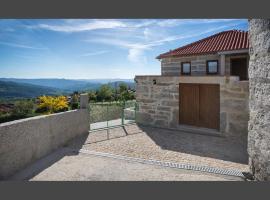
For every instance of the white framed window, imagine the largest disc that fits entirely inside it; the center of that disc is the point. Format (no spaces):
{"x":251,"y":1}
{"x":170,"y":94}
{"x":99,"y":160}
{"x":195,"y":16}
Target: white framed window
{"x":186,"y":68}
{"x":212,"y":67}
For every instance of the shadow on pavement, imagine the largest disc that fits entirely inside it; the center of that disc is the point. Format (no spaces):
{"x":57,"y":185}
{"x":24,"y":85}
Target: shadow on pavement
{"x":232,"y":149}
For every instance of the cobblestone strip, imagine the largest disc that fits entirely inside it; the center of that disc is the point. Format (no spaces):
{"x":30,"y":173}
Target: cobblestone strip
{"x":167,"y":164}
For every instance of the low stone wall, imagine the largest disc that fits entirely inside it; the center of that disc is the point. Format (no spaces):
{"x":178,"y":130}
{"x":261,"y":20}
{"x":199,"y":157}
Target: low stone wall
{"x":24,"y":141}
{"x":159,"y":103}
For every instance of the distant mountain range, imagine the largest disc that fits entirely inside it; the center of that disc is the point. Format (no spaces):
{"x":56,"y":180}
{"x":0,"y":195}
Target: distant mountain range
{"x":10,"y":89}
{"x":28,"y":88}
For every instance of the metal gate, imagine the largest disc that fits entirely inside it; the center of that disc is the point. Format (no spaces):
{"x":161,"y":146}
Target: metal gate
{"x":106,"y":115}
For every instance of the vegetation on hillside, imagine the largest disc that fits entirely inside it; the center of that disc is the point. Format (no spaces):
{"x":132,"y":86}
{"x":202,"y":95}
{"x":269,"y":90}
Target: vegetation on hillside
{"x":24,"y":90}
{"x":12,"y":87}
{"x":107,"y":93}
{"x":28,"y":107}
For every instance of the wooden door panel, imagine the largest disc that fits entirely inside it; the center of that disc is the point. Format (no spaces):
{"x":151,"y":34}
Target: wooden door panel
{"x":189,"y":104}
{"x":199,"y":105}
{"x":209,"y":106}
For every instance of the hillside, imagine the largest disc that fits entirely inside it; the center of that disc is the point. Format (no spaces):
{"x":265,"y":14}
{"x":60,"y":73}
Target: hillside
{"x":10,"y":89}
{"x":70,"y":85}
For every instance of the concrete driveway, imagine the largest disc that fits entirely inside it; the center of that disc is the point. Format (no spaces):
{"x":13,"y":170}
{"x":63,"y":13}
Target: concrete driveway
{"x":101,"y":156}
{"x":65,"y":165}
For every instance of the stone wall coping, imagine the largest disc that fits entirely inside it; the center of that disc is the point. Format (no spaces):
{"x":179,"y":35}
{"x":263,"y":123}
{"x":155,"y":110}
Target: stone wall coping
{"x":188,"y":76}
{"x":195,"y":79}
{"x":35,"y":118}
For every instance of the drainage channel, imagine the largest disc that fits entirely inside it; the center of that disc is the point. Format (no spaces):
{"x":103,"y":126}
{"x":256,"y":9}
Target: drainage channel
{"x":207,"y":169}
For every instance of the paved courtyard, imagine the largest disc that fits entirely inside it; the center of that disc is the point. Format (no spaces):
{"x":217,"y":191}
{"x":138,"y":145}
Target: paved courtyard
{"x":167,"y":145}
{"x":140,"y":142}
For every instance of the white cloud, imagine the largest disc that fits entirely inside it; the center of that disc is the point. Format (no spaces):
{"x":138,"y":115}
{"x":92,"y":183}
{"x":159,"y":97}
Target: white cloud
{"x":135,"y":50}
{"x":153,"y":38}
{"x":70,"y":27}
{"x":135,"y":55}
{"x":207,"y":21}
{"x":9,"y":29}
{"x":21,"y":46}
{"x":93,"y":53}
{"x":169,"y":22}
{"x":75,"y":25}
{"x":145,"y":23}
{"x":177,"y":22}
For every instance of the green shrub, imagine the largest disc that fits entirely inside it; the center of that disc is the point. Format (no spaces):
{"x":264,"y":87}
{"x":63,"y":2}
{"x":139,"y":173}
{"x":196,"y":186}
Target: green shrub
{"x":9,"y":117}
{"x":41,"y":110}
{"x":23,"y":108}
{"x":74,"y":105}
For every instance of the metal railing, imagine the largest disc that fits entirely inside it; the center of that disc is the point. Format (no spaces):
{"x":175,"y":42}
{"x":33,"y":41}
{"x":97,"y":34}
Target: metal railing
{"x":106,"y":115}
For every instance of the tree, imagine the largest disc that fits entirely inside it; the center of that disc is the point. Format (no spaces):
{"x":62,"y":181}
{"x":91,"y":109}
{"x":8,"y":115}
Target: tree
{"x":92,"y":96}
{"x":122,"y":87}
{"x":125,"y":93}
{"x":105,"y":93}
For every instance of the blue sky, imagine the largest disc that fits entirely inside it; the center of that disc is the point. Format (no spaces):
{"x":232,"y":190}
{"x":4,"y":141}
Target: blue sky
{"x":97,"y":48}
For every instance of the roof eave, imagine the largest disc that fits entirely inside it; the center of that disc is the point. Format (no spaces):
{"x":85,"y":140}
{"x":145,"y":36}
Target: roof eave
{"x":244,"y":50}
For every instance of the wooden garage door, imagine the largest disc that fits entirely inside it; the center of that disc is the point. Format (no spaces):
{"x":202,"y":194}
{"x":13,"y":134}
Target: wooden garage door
{"x":199,"y":105}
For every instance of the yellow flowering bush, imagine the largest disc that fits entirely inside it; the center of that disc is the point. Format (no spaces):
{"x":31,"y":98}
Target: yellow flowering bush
{"x":51,"y":104}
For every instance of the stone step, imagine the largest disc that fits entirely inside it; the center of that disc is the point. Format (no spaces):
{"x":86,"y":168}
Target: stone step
{"x":199,"y":130}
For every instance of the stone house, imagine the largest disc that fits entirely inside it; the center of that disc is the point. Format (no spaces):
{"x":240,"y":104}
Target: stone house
{"x":203,"y":87}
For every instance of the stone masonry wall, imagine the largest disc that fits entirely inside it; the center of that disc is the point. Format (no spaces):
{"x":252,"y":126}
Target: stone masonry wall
{"x":159,"y":103}
{"x":172,"y":66}
{"x":259,"y":73}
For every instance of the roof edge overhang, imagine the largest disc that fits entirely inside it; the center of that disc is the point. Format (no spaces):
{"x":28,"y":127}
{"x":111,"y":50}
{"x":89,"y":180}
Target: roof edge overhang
{"x":237,"y":51}
{"x":233,"y":51}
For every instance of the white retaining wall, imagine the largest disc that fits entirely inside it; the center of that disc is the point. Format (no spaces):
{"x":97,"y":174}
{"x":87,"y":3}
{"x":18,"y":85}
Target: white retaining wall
{"x":24,"y":141}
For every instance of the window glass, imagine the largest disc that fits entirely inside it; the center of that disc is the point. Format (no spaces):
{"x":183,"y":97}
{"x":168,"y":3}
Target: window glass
{"x":186,"y":68}
{"x":212,"y":67}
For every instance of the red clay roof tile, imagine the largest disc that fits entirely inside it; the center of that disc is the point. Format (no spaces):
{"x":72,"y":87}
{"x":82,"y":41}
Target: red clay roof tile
{"x":223,"y":41}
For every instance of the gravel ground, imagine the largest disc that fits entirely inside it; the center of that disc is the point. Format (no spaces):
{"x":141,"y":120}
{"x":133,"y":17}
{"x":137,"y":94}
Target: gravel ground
{"x":167,"y":145}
